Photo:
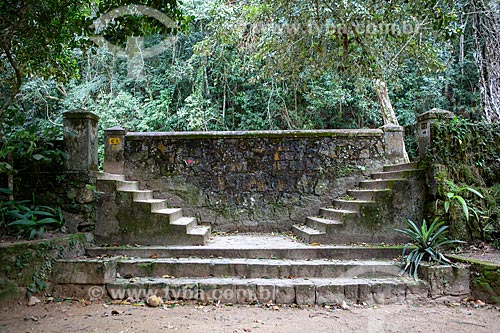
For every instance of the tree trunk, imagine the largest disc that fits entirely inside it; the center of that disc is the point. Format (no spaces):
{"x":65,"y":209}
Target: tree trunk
{"x":486,"y":27}
{"x":388,"y":114}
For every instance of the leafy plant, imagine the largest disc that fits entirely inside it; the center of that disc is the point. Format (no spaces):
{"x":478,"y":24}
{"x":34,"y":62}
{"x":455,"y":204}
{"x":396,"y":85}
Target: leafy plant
{"x":453,"y":197}
{"x":33,"y":221}
{"x":428,"y":241}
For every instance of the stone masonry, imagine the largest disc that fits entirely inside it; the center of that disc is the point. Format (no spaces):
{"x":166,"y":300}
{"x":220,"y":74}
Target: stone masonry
{"x":253,"y":181}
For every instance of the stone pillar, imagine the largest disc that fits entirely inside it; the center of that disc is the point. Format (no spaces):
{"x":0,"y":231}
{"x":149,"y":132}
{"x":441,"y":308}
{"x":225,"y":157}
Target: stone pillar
{"x":424,"y":122}
{"x":80,"y":138}
{"x":114,"y":141}
{"x":394,"y":146}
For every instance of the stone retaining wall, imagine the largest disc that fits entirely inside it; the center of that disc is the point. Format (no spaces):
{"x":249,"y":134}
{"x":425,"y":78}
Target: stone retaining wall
{"x":253,"y":181}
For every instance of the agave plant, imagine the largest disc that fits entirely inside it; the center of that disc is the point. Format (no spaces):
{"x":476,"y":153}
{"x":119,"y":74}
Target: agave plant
{"x":428,"y":241}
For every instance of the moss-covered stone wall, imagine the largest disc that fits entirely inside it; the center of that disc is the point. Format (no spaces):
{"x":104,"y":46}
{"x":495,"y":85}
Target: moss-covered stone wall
{"x":465,"y":155}
{"x":26,"y":266}
{"x":252,"y":181}
{"x":485,"y":279}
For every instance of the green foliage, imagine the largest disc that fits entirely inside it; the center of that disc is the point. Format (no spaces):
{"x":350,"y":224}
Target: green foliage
{"x":27,"y":219}
{"x":428,"y":241}
{"x":453,"y":197}
{"x":29,"y":143}
{"x":31,"y":221}
{"x":466,"y":164}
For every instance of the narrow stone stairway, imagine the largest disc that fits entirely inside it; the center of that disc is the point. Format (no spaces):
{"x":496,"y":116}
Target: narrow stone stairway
{"x":129,"y":215}
{"x":241,"y":269}
{"x":364,"y":214}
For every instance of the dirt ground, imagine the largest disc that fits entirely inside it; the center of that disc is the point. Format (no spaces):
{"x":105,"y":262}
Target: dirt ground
{"x":77,"y":317}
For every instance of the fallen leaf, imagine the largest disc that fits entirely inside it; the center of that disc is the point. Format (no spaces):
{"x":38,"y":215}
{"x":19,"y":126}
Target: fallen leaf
{"x":153,"y":256}
{"x":315,"y":244}
{"x":33,"y":301}
{"x":479,"y":303}
{"x":166,"y":276}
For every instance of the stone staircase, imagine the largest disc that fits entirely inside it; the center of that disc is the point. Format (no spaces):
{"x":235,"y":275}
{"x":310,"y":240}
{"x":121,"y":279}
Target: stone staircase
{"x":129,"y":215}
{"x":264,"y":269}
{"x":156,"y":251}
{"x":367,"y":213}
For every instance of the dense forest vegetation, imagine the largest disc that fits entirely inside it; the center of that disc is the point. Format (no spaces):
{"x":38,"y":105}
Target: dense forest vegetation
{"x":242,"y":65}
{"x":246,"y":65}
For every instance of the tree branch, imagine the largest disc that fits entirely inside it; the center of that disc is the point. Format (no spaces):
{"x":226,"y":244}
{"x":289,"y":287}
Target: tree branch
{"x":18,"y":74}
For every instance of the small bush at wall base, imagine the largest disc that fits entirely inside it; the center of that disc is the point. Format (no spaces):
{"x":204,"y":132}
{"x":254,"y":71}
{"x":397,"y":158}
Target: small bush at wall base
{"x":429,"y":241}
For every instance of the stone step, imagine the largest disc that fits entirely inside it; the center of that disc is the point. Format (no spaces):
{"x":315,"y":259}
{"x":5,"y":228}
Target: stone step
{"x":256,"y":268}
{"x":110,"y":176}
{"x":186,"y":223}
{"x":292,"y":251}
{"x":126,"y":185}
{"x":307,"y":233}
{"x":403,"y":166}
{"x":322,"y":224}
{"x":140,"y":195}
{"x":199,"y":234}
{"x":155,"y":204}
{"x":276,"y":291}
{"x":395,"y":174}
{"x":341,"y":215}
{"x":351,"y":205}
{"x":201,"y":230}
{"x":173,"y":213}
{"x":368,"y":195}
{"x":380,"y":184}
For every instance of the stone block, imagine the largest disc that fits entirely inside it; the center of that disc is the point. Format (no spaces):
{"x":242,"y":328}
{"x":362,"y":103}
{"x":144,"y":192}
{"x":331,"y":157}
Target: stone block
{"x":284,"y":294}
{"x":84,"y":271}
{"x":305,"y":294}
{"x":246,"y":294}
{"x":329,"y":294}
{"x":178,"y":291}
{"x":365,"y":294}
{"x":265,"y":293}
{"x":214,"y":292}
{"x":446,"y":280}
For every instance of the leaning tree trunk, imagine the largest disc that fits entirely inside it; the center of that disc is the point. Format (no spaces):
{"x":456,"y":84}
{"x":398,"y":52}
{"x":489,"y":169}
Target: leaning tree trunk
{"x":388,"y":114}
{"x":486,"y":26}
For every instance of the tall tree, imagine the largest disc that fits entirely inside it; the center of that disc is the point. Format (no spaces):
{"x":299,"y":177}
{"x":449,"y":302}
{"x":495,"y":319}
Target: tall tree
{"x":486,"y":27}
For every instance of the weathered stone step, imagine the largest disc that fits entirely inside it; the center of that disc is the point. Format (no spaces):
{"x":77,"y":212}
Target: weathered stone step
{"x":341,"y":215}
{"x":368,"y":195}
{"x":188,"y":223}
{"x":201,"y":230}
{"x":257,"y":268}
{"x":295,"y":251}
{"x":403,"y":166}
{"x":126,"y":185}
{"x":351,"y":205}
{"x":395,"y":174}
{"x":307,"y":233}
{"x":139,"y":194}
{"x":155,"y":204}
{"x":278,"y":291}
{"x":380,"y":184}
{"x":173,"y":213}
{"x":321,"y":224}
{"x":110,"y":176}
